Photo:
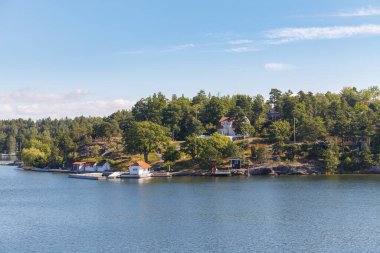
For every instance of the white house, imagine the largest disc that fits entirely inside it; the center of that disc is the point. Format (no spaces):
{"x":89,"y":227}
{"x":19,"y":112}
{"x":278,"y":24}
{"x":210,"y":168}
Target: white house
{"x":139,"y":169}
{"x":227,"y":127}
{"x":103,"y":166}
{"x":78,"y":166}
{"x":91,"y":166}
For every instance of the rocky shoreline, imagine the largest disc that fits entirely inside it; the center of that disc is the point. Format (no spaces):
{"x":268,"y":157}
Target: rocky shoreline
{"x":286,"y":169}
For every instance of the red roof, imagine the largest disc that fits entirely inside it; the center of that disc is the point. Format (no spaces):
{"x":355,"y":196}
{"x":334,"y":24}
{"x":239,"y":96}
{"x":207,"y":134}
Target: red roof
{"x":89,"y":164}
{"x":78,"y":163}
{"x":224,"y":119}
{"x":141,"y":164}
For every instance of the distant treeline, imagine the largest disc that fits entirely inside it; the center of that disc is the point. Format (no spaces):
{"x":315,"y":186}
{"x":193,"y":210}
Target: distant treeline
{"x":349,"y":119}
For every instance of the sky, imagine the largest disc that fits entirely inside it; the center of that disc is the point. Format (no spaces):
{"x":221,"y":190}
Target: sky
{"x":93,"y":57}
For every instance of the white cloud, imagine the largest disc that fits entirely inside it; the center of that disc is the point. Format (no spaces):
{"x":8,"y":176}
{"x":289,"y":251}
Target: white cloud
{"x":239,"y":42}
{"x":286,"y":35}
{"x":362,"y":12}
{"x":241,"y":50}
{"x":179,"y":47}
{"x":278,"y":67}
{"x":29,"y":104}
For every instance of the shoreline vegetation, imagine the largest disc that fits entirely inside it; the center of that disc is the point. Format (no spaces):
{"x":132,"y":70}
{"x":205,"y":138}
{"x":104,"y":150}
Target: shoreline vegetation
{"x":286,"y":134}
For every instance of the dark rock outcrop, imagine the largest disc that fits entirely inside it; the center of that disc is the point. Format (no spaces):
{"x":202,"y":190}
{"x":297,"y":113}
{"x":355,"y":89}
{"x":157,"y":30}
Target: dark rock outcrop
{"x":286,"y":169}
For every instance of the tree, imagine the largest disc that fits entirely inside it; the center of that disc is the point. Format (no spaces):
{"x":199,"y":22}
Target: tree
{"x":107,"y":129}
{"x":275,"y":99}
{"x":171,"y":153}
{"x":34,"y":157}
{"x":11,"y":144}
{"x":188,"y":126}
{"x":259,"y":113}
{"x":176,"y":110}
{"x":331,"y":158}
{"x":193,"y":146}
{"x":213,"y":111}
{"x":150,"y":109}
{"x":312,"y":129}
{"x":210,"y":156}
{"x":37,"y":154}
{"x":145,"y":137}
{"x":211,"y":151}
{"x":244,"y":128}
{"x":280,"y":131}
{"x":262,"y":154}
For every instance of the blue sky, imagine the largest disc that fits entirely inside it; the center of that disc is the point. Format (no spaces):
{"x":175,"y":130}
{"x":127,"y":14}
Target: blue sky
{"x":68,"y":58}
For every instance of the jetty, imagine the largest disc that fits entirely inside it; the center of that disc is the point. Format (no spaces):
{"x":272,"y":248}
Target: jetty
{"x":90,"y":176}
{"x":128,"y":175}
{"x":161,"y":174}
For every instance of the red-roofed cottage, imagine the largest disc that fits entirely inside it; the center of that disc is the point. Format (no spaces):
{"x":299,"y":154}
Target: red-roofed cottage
{"x":226,"y":126}
{"x":140,"y":169}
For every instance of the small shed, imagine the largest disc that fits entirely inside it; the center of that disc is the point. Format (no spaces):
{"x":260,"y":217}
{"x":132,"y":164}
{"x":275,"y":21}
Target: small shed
{"x":236,"y":163}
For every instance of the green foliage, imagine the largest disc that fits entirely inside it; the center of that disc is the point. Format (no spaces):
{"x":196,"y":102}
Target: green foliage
{"x":34,"y":157}
{"x":171,"y":153}
{"x":210,"y":156}
{"x":331,"y":158}
{"x":37,"y":155}
{"x":292,"y":151}
{"x":211,"y":151}
{"x":213,"y":110}
{"x":243,"y":127}
{"x":145,"y":137}
{"x":263,"y":155}
{"x":312,"y":129}
{"x":194,"y":146}
{"x":280,"y":131}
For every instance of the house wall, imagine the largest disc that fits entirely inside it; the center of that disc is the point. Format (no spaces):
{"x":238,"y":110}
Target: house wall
{"x":137,"y":170}
{"x":90,"y":168}
{"x":227,"y":129}
{"x":103,"y":168}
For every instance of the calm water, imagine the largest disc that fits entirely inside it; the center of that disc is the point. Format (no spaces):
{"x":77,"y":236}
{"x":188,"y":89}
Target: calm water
{"x":42,"y":212}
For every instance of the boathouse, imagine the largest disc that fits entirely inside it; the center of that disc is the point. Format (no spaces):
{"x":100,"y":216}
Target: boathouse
{"x":139,"y":168}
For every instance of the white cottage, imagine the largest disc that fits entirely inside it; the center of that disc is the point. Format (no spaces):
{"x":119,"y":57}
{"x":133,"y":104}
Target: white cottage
{"x":227,"y":127}
{"x":91,"y":166}
{"x":103,"y":166}
{"x":140,"y":169}
{"x":78,"y":166}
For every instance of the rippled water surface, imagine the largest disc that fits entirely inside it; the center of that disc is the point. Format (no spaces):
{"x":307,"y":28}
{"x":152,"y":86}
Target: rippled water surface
{"x":43,"y":212}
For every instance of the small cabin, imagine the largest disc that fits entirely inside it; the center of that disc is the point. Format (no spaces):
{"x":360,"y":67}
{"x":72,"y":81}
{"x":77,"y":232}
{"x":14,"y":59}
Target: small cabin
{"x":139,"y":168}
{"x":236,"y":163}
